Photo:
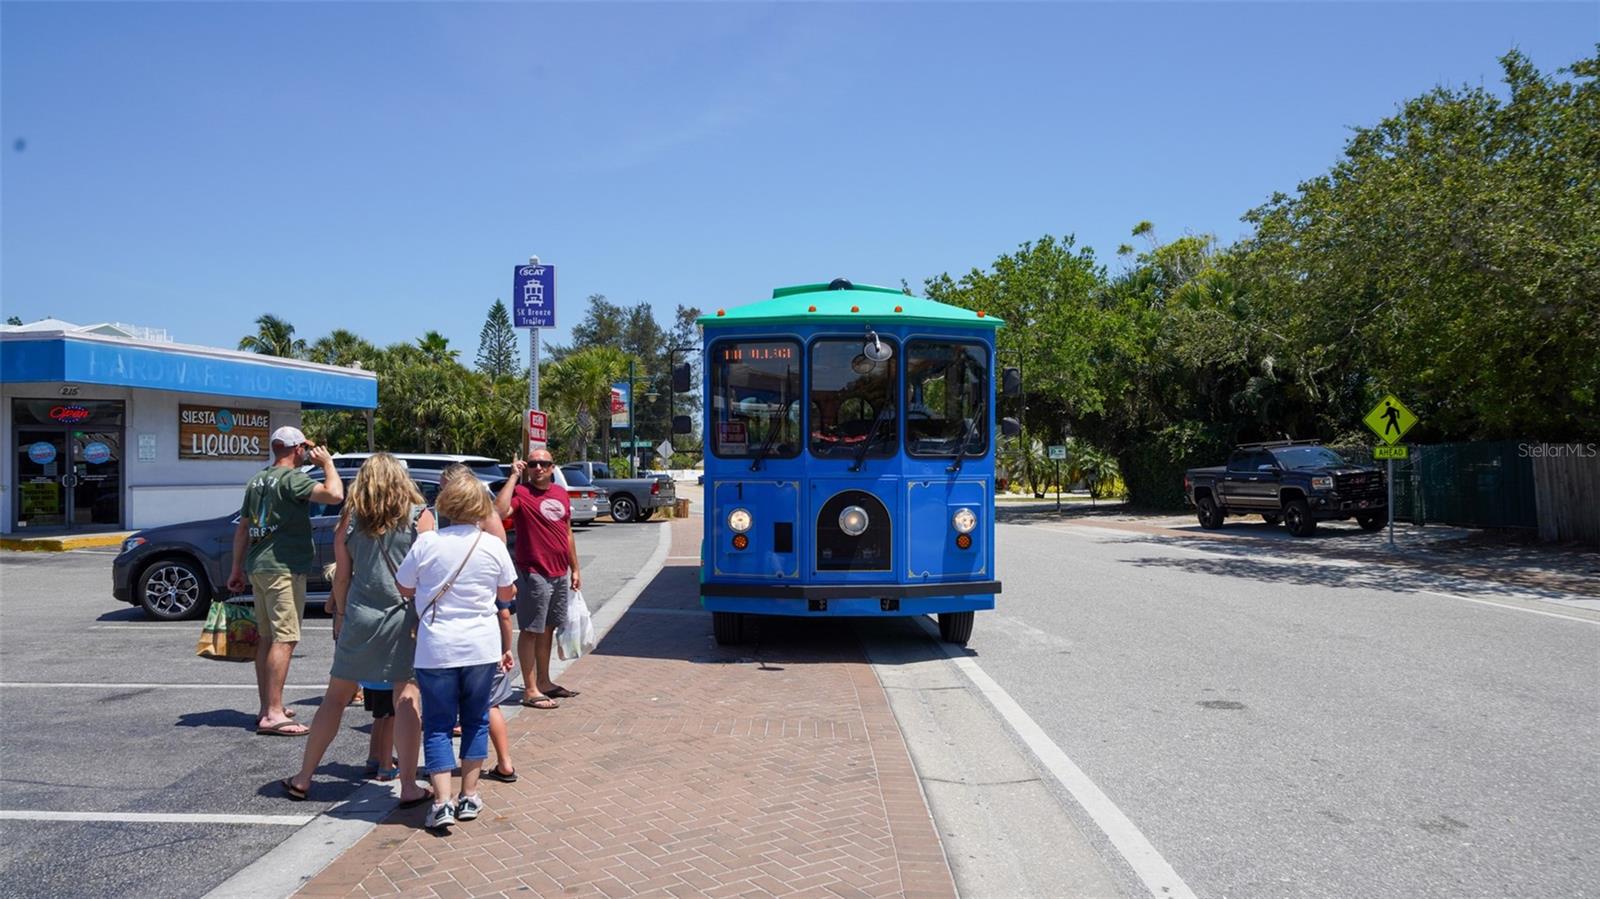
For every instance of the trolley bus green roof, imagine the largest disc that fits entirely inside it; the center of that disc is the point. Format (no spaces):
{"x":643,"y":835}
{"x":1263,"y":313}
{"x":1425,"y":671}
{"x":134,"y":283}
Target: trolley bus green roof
{"x":865,"y":303}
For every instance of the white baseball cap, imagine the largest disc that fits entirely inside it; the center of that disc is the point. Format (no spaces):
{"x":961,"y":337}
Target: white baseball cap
{"x":287,"y":436}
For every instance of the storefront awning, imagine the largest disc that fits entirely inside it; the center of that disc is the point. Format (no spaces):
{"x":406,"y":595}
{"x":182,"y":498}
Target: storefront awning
{"x":93,"y":359}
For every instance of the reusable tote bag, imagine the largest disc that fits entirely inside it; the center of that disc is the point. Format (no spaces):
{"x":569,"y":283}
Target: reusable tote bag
{"x":229,"y":633}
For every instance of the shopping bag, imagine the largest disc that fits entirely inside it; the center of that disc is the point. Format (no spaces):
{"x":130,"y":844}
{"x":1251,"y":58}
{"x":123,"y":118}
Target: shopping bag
{"x":575,"y":636}
{"x":229,"y":633}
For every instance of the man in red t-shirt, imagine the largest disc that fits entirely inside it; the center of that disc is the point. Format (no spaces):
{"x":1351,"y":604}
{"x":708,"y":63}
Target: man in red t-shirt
{"x":546,"y":557}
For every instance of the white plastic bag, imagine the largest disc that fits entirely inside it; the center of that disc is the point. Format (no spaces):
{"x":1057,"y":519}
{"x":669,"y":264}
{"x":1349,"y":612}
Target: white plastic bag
{"x":575,"y":636}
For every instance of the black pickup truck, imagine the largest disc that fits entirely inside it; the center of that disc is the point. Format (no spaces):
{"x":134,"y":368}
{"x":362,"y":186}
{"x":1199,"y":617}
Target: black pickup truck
{"x":1298,"y":482}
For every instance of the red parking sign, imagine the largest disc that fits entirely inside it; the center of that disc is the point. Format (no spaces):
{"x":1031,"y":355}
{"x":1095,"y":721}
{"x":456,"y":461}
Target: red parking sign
{"x":538,"y":427}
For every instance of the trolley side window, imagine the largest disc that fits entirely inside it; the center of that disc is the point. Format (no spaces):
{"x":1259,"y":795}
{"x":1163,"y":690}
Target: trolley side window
{"x":947,"y":383}
{"x":755,"y":398}
{"x":852,"y":399}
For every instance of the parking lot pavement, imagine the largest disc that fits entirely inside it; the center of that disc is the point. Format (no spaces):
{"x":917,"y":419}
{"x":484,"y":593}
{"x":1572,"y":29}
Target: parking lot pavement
{"x":131,"y":766}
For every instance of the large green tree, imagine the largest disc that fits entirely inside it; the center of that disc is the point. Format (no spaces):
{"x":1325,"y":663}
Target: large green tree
{"x":497,"y":343}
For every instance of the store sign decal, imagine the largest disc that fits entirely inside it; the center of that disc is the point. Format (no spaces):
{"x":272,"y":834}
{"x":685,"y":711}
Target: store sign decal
{"x":212,"y":432}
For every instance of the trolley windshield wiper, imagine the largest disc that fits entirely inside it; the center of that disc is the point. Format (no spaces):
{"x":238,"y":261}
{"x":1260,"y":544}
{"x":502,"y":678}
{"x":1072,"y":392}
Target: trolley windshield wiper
{"x":872,"y":434}
{"x":772,"y":436}
{"x":966,"y":436}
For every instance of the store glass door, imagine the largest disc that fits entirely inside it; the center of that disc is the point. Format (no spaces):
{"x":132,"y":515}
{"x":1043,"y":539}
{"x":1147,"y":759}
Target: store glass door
{"x":42,"y":475}
{"x":69,"y":463}
{"x":96,"y":488}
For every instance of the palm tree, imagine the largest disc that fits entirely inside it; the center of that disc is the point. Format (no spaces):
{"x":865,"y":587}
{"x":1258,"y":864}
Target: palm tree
{"x":579,"y":387}
{"x":273,"y":337}
{"x":436,"y":347}
{"x":342,"y":347}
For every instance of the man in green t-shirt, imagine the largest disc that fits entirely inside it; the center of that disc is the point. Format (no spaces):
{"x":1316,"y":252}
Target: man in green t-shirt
{"x":273,"y":544}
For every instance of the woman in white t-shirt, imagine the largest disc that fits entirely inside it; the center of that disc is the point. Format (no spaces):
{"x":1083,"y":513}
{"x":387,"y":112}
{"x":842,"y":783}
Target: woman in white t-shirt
{"x":454,"y":576}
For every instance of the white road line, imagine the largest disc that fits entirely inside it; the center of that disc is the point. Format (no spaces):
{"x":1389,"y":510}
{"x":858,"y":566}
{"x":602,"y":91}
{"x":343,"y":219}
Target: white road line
{"x":1151,"y":868}
{"x":1505,"y":605}
{"x":115,"y":685}
{"x":156,"y":818}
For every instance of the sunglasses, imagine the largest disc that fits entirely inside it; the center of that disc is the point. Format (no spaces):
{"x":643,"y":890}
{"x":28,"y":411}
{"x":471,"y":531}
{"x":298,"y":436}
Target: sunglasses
{"x":539,"y":463}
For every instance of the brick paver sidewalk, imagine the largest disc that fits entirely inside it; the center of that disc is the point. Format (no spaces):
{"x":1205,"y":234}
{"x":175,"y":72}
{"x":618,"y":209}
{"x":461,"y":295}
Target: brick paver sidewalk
{"x":685,"y":769}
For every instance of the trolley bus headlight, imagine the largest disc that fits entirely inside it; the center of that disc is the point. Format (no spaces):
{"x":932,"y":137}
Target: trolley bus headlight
{"x":964,"y":521}
{"x":739,"y":520}
{"x":853,"y":521}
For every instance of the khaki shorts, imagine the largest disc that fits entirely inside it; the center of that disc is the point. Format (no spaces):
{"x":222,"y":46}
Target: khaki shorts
{"x":280,"y":603}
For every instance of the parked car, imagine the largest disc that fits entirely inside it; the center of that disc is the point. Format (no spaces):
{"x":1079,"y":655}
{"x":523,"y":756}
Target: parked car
{"x":1298,"y":482}
{"x":172,"y":572}
{"x":632,"y":499}
{"x":485,"y":467}
{"x":588,"y":500}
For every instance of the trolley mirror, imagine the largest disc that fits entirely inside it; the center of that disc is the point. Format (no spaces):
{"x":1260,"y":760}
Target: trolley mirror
{"x":682,"y":424}
{"x":1011,"y":381}
{"x":1010,"y":427}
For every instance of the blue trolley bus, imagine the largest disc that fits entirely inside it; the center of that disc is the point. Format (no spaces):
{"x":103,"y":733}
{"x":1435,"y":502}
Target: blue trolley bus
{"x":849,"y":465}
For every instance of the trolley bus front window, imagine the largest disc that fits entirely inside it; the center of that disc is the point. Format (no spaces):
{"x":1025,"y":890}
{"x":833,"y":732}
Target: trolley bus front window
{"x":946,"y":383}
{"x":852,"y":400}
{"x":754,"y":388}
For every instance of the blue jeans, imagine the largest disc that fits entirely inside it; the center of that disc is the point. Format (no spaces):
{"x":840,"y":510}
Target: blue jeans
{"x":449,"y":694}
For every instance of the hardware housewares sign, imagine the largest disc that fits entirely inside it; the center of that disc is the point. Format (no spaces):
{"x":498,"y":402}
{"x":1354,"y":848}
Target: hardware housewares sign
{"x":212,"y":432}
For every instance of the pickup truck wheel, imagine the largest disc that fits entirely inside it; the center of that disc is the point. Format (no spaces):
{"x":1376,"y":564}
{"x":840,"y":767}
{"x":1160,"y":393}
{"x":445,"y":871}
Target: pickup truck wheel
{"x":727,"y":627}
{"x":173,"y":590}
{"x":1206,"y":510}
{"x":1272,"y":518}
{"x":644,"y":514}
{"x":1370,"y":522}
{"x":1298,"y":518}
{"x":624,"y":509}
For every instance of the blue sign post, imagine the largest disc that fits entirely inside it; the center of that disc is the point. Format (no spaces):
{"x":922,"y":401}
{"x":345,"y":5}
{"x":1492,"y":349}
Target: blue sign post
{"x":533,"y":306}
{"x":533,"y":296}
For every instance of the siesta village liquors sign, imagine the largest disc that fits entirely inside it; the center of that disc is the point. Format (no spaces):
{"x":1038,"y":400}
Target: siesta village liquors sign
{"x":212,"y":432}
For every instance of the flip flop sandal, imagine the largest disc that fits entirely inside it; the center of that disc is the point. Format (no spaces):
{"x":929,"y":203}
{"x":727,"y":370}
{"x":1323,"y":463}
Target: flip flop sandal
{"x":494,"y":774}
{"x":561,"y":692}
{"x":543,"y":703}
{"x":413,"y":803}
{"x":282,"y":729}
{"x":388,"y":774}
{"x":292,"y":792}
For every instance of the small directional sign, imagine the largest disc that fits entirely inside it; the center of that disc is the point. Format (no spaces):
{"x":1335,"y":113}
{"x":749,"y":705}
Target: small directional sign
{"x":1391,"y":452}
{"x":1390,"y":420}
{"x":1058,"y":452}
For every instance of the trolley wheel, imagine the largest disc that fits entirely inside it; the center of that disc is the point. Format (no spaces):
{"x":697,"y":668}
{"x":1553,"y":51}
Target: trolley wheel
{"x":728,"y":627}
{"x":955,"y":627}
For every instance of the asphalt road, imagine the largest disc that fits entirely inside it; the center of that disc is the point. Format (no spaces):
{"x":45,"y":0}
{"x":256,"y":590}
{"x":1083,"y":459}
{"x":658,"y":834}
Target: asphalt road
{"x":1287,"y":726}
{"x":152,"y":729}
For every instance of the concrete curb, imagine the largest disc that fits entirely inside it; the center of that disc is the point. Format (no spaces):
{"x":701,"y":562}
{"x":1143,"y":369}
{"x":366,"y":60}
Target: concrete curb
{"x":63,"y":544}
{"x":288,"y":866}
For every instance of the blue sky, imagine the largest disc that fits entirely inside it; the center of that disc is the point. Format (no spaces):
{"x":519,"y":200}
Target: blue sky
{"x":382,"y":167}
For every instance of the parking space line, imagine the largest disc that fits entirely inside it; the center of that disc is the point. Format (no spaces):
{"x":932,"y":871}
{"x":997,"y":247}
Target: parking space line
{"x":157,"y":818}
{"x":182,"y":629}
{"x":123,"y":685}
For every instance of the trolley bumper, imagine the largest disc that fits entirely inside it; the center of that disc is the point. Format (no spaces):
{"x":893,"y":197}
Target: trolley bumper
{"x":851,"y":600}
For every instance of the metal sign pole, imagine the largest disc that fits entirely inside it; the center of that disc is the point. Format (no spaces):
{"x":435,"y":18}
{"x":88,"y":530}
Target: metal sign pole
{"x":1390,"y":484}
{"x":1058,"y":485}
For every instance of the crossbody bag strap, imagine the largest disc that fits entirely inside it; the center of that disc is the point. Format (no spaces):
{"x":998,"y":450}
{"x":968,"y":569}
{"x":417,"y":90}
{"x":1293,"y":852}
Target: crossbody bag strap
{"x":432,"y":603}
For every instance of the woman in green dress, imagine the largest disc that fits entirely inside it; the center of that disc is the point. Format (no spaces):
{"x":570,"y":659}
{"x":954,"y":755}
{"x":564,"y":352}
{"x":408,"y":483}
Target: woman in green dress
{"x":371,"y":625}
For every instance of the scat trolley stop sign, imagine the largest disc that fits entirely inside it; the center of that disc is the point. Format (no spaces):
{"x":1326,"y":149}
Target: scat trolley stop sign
{"x":533,"y":297}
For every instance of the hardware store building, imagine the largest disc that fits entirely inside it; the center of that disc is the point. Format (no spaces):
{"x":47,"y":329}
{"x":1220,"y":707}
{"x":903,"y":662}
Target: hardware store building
{"x":105,"y":430}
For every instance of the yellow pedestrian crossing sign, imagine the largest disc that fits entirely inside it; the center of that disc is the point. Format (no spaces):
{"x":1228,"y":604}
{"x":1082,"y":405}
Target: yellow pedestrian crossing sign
{"x":1390,"y":420}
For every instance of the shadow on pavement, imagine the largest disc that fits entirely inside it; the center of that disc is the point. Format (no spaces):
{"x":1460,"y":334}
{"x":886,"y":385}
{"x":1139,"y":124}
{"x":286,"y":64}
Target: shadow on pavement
{"x":666,"y":622}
